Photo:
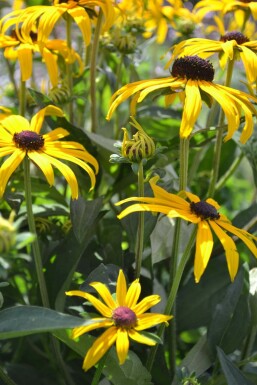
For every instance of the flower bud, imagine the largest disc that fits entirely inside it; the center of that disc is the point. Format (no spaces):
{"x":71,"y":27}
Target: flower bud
{"x":141,"y":146}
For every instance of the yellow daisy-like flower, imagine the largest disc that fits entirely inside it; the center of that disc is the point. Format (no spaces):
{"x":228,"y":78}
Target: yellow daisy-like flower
{"x":46,"y":16}
{"x":241,"y":9}
{"x":23,"y":51}
{"x":20,"y":138}
{"x":202,"y":213}
{"x":191,"y":80}
{"x":123,"y":317}
{"x":231,"y":46}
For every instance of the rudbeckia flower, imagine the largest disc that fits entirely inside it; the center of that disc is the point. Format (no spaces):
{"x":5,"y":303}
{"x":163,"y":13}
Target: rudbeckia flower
{"x":191,"y":79}
{"x":240,"y":8}
{"x":123,"y":317}
{"x":20,"y":138}
{"x":23,"y":51}
{"x":46,"y":16}
{"x":202,"y":213}
{"x":232,"y":45}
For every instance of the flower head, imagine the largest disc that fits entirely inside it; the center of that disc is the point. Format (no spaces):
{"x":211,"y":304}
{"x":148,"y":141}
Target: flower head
{"x":202,"y":213}
{"x":232,"y":45}
{"x":123,"y":317}
{"x":48,"y":15}
{"x":191,"y":80}
{"x":21,"y":138}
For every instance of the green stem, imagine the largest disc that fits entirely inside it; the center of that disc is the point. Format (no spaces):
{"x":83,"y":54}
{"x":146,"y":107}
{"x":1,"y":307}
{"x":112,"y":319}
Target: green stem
{"x":118,"y":84}
{"x":93,"y":62}
{"x":141,"y":220}
{"x":69,"y":67}
{"x":219,"y":138}
{"x":32,"y":229}
{"x":230,"y":172}
{"x":5,"y":378}
{"x":183,"y":173}
{"x":173,"y":294}
{"x":22,"y":98}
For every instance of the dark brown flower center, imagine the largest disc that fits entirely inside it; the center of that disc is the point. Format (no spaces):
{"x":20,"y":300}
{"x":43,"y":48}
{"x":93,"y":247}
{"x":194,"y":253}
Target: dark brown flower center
{"x":204,"y":210}
{"x":125,"y":317}
{"x":28,"y":140}
{"x":193,"y":67}
{"x":234,"y":35}
{"x":248,"y":1}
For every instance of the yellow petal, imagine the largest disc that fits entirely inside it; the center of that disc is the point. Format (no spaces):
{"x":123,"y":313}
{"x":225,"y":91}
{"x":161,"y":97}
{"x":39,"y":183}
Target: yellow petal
{"x":82,"y":20}
{"x":191,"y":110}
{"x":121,"y":289}
{"x":133,"y":294}
{"x":100,"y":306}
{"x":141,"y":338}
{"x":148,"y":320}
{"x":57,"y":133}
{"x":145,"y":304}
{"x":204,"y":245}
{"x":122,"y":345}
{"x":8,"y":168}
{"x":98,"y":323}
{"x":44,"y":164}
{"x":100,"y":347}
{"x":104,"y":292}
{"x":229,"y":247}
{"x":50,"y":60}
{"x":25,"y":58}
{"x":15,"y":124}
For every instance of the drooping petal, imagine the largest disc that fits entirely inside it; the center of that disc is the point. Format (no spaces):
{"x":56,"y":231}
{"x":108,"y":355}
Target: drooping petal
{"x":81,"y":18}
{"x":25,"y":57}
{"x":100,"y":306}
{"x":204,"y":245}
{"x":141,"y":338}
{"x":121,"y":289}
{"x":100,"y":347}
{"x":191,"y":110}
{"x":242,"y":234}
{"x":105,"y":294}
{"x":122,"y":345}
{"x":50,"y":60}
{"x":229,"y":247}
{"x":44,"y":165}
{"x":8,"y":168}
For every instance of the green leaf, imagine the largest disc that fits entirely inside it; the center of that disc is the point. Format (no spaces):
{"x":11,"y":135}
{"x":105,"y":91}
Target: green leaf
{"x":224,"y":316}
{"x":24,"y":320}
{"x":84,"y":214}
{"x":233,"y":375}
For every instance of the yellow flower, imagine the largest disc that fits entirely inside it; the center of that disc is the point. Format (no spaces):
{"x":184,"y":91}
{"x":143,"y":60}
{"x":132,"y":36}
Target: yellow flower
{"x":231,"y":46}
{"x":123,"y":317}
{"x":202,"y":213}
{"x":20,"y":138}
{"x":191,"y":80}
{"x":240,"y":8}
{"x":46,"y":16}
{"x":23,"y":50}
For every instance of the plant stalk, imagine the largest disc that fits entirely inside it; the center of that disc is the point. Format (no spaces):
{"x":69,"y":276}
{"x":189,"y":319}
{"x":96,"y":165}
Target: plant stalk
{"x":141,"y":223}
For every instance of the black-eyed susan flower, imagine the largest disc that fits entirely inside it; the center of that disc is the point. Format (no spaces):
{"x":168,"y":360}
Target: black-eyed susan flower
{"x":123,"y":317}
{"x":192,"y":80}
{"x":202,"y":213}
{"x":232,"y":45}
{"x":241,"y":9}
{"x":46,"y":16}
{"x":25,"y":49}
{"x":20,"y":138}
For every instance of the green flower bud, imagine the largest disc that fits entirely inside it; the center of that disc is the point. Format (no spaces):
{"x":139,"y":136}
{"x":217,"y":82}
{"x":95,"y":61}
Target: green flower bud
{"x":141,"y":146}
